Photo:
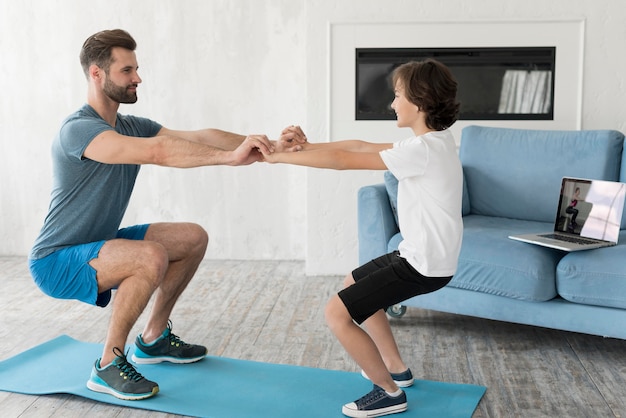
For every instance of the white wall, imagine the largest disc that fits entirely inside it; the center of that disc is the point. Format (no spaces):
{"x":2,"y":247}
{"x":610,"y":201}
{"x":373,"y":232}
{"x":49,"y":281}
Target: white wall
{"x":331,"y":207}
{"x":236,"y":65}
{"x":251,"y":67}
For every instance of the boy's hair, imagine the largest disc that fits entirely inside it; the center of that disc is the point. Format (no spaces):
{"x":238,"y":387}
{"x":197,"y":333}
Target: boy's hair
{"x":97,"y":48}
{"x":430,"y":86}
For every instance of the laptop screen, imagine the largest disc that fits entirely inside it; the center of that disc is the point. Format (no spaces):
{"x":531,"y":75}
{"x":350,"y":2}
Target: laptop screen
{"x":591,"y":208}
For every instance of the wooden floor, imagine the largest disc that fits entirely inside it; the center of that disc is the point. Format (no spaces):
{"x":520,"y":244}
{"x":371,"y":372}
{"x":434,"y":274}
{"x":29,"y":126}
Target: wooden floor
{"x":271,"y":312}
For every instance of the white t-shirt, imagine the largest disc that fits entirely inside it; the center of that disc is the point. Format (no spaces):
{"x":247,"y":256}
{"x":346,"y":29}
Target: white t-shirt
{"x":430,"y":193}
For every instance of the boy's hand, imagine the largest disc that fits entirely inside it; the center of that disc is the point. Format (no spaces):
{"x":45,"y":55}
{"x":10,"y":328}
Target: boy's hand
{"x":292,"y":138}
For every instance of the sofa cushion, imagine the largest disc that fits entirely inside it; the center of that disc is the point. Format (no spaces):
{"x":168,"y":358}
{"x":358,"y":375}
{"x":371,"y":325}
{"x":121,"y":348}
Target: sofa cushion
{"x":622,"y":178}
{"x":391,"y":184}
{"x":594,"y":277}
{"x":492,"y":263}
{"x":516,"y":173}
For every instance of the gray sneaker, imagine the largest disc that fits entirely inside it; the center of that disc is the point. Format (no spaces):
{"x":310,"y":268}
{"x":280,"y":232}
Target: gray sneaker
{"x":168,"y":347}
{"x":121,"y":380}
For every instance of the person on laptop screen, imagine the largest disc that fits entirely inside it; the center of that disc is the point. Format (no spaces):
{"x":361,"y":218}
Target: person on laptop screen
{"x":588,"y":216}
{"x":572,"y":210}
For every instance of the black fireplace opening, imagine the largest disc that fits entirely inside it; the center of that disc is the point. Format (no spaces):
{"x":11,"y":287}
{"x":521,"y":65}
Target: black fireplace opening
{"x":499,"y":83}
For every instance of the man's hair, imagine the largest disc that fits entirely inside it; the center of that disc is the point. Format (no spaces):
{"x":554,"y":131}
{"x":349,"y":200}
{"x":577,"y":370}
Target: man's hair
{"x":430,"y":86}
{"x":97,"y":48}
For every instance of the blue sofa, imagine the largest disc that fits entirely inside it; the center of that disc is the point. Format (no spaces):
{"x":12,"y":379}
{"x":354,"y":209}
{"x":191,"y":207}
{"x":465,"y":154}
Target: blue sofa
{"x":512,"y":180}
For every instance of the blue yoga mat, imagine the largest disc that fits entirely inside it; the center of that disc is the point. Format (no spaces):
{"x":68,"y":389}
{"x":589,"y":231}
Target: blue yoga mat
{"x":223,"y":387}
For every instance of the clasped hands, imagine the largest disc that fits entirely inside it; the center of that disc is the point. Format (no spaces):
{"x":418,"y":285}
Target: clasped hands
{"x":255,"y":147}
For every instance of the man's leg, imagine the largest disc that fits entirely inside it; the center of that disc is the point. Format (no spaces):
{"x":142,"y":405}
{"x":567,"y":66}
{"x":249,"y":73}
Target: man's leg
{"x":162,"y":263}
{"x":137,"y":269}
{"x":186,"y":245}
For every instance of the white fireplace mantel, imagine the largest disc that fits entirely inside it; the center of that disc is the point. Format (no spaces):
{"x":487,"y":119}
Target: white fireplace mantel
{"x":567,"y":36}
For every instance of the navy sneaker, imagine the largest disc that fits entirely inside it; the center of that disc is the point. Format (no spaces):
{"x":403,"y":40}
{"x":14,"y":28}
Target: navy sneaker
{"x":403,"y":380}
{"x":168,"y":347}
{"x":121,"y":380}
{"x":375,"y":404}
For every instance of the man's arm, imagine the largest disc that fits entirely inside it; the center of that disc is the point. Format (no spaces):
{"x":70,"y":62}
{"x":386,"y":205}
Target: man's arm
{"x":214,"y":137}
{"x":291,"y":139}
{"x":110,"y":147}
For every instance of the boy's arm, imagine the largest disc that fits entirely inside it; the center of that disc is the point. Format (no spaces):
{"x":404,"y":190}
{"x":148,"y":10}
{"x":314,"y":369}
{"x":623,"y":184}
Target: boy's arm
{"x":333,"y":158}
{"x":354,"y":145}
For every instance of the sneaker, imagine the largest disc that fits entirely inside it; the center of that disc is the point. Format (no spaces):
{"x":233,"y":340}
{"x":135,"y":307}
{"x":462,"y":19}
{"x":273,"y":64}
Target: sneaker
{"x":375,"y":404}
{"x":168,"y":347}
{"x":403,"y":380}
{"x":121,"y":380}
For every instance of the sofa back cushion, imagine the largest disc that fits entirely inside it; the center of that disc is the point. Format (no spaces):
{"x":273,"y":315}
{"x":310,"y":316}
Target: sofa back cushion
{"x":622,"y":178}
{"x":391,"y":185}
{"x":516,"y":173}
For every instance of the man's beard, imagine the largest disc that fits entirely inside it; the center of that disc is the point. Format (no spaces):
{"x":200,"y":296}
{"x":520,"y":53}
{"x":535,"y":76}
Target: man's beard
{"x":118,"y":93}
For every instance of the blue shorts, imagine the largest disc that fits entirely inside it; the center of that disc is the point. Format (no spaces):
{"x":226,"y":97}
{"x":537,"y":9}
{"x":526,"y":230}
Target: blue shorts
{"x":66,"y":273}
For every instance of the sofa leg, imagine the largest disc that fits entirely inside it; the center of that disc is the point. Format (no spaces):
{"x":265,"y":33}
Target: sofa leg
{"x":396,"y":311}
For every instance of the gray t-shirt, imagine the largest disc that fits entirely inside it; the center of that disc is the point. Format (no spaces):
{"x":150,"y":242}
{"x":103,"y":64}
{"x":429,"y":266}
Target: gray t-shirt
{"x":88,"y":198}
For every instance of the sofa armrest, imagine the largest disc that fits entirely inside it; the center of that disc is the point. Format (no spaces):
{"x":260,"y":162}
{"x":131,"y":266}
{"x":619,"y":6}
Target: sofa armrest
{"x":376,"y":222}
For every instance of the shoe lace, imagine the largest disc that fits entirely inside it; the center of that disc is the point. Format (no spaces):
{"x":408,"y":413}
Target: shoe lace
{"x":371,"y":397}
{"x":174,"y":339}
{"x":125,"y":367}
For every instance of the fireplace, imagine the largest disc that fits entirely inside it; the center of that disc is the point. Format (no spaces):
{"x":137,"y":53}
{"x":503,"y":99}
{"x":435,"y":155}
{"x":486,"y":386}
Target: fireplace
{"x":495,"y":83}
{"x":557,"y":44}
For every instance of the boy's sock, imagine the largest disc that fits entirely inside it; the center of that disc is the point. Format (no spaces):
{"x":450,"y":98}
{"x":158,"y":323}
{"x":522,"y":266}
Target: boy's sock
{"x":394,"y":394}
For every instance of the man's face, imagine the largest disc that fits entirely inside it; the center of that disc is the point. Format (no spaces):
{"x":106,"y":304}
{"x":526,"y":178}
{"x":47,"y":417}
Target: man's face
{"x":122,"y":79}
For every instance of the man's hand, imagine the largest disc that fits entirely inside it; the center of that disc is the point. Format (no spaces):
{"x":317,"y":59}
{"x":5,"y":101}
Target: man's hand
{"x":270,"y":158}
{"x":252,"y":149}
{"x":292,"y":138}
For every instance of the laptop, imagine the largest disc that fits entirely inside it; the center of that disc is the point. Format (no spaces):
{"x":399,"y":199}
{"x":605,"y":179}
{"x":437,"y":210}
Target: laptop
{"x":588,"y":216}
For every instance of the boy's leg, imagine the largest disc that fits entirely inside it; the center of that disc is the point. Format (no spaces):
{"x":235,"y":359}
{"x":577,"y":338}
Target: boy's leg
{"x":358,"y":344}
{"x":385,"y":398}
{"x":380,"y":331}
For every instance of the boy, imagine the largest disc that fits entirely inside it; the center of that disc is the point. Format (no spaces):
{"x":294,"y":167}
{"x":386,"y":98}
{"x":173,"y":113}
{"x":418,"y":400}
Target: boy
{"x":429,"y":211}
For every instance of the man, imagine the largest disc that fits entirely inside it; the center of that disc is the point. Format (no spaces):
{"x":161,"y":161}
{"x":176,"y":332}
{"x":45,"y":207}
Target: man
{"x":81,"y":253}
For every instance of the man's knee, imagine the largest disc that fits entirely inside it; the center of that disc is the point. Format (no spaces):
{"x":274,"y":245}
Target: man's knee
{"x":180,"y":239}
{"x":199,"y":237}
{"x":192,"y":240}
{"x":154,"y":260}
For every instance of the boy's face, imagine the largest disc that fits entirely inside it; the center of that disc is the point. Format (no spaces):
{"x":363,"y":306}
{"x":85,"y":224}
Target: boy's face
{"x":407,"y":113}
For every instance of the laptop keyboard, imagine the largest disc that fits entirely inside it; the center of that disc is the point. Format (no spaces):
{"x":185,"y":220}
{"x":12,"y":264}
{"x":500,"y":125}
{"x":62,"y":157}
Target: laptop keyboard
{"x":566,"y":238}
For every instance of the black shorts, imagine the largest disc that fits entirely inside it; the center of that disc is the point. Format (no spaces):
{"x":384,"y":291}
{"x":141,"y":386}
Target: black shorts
{"x":383,"y":282}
